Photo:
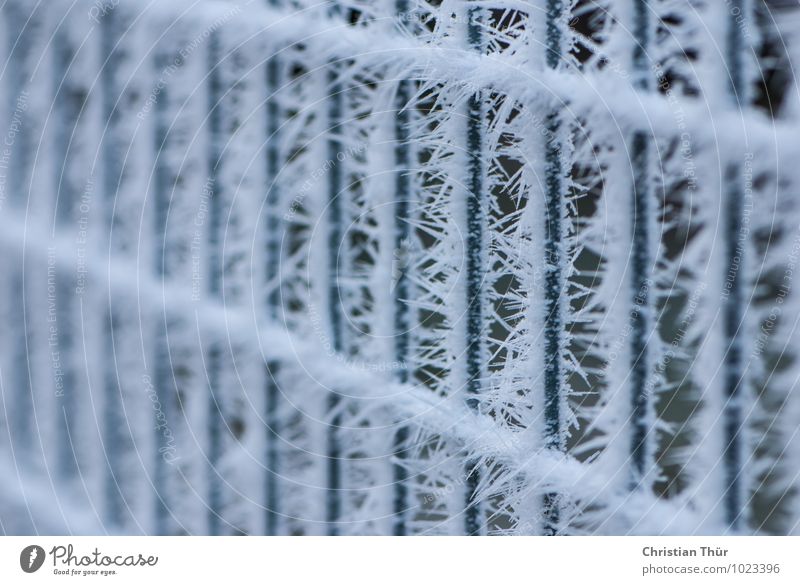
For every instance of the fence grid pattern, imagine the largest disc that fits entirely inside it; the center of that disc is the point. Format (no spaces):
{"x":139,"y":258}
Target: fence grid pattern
{"x":399,"y":267}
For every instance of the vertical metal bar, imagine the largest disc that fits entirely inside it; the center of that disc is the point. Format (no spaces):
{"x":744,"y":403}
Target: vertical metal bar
{"x":112,"y":172}
{"x":162,"y":371}
{"x":402,"y":317}
{"x":335,"y":104}
{"x":475,"y":267}
{"x":641,"y":261}
{"x":402,"y":322}
{"x":14,"y":165}
{"x":273,"y":80}
{"x":733,"y":302}
{"x":554,"y":277}
{"x":215,"y":277}
{"x":67,"y":106}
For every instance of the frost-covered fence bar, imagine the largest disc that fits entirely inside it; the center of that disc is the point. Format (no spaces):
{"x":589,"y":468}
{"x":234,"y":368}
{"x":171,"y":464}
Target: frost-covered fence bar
{"x":405,"y":209}
{"x":475,"y":265}
{"x":735,"y":291}
{"x":274,"y":76}
{"x":337,"y":270}
{"x":215,"y":194}
{"x":642,"y":265}
{"x":398,"y":267}
{"x":554,"y":260}
{"x":112,"y":160}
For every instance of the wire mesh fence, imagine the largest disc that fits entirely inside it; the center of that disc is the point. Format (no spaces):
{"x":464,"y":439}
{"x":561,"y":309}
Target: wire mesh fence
{"x":399,"y":267}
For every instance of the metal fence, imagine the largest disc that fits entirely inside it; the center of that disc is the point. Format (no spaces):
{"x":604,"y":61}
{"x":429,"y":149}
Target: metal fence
{"x":399,"y":267}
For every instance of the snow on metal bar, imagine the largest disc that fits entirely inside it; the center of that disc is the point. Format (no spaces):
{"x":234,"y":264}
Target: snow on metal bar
{"x":399,"y":267}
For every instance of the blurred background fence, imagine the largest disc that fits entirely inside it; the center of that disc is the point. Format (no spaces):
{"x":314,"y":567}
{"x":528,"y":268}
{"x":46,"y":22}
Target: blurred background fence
{"x":399,"y":267}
